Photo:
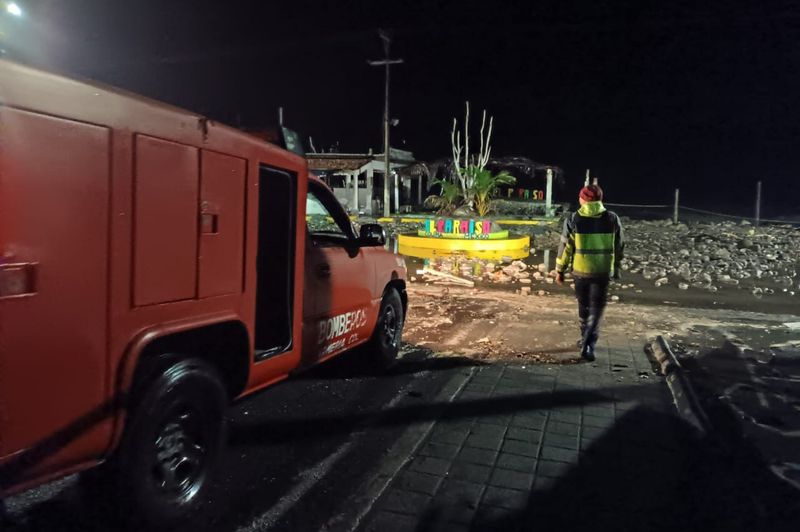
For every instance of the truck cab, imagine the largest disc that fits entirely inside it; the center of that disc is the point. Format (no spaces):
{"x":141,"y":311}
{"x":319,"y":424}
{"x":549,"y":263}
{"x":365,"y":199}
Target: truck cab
{"x":154,"y":267}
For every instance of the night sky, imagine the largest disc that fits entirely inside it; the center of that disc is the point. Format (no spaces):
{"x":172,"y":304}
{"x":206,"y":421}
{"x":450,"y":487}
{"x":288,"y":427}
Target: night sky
{"x":649,"y":95}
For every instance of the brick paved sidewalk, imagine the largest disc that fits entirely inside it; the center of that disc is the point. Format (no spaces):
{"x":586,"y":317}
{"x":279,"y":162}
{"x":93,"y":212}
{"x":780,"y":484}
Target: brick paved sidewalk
{"x":579,"y":445}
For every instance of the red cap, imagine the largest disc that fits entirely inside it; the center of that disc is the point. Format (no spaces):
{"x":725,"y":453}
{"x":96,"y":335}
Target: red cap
{"x":591,"y":193}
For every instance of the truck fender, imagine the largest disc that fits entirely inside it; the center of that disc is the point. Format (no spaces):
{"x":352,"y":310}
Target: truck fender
{"x":130,"y":359}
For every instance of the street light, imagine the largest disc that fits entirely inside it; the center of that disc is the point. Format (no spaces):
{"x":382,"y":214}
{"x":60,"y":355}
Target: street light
{"x":14,"y":9}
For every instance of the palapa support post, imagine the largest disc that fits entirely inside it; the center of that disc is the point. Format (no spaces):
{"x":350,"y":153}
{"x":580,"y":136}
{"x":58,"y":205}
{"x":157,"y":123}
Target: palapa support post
{"x":355,"y":191}
{"x":370,"y":177}
{"x":758,"y":203}
{"x":675,"y":207}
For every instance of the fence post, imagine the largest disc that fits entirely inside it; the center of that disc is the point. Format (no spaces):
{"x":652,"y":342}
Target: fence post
{"x":548,"y":198}
{"x":758,"y":203}
{"x":675,"y":208}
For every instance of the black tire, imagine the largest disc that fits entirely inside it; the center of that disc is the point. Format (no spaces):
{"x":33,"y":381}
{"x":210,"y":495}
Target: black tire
{"x":171,"y":443}
{"x":385,"y":342}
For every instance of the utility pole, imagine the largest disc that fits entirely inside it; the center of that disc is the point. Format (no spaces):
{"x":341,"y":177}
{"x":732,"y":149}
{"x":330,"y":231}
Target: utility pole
{"x":387,"y":62}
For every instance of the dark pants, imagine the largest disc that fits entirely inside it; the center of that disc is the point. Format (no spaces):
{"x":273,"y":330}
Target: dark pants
{"x":591,"y":294}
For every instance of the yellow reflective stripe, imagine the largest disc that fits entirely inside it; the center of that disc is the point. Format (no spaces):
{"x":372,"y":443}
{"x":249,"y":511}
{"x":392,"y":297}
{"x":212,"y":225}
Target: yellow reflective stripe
{"x":594,"y":241}
{"x":592,"y":264}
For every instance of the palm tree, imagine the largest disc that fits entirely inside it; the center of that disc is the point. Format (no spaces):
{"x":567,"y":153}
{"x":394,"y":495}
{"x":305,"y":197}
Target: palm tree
{"x":484,"y":187}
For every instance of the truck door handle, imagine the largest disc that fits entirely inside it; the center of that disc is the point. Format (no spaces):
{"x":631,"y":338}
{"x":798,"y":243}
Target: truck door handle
{"x":17,"y":280}
{"x":324,"y":270}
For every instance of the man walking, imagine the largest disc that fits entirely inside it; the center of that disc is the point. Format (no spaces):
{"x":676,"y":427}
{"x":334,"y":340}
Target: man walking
{"x":592,"y":246}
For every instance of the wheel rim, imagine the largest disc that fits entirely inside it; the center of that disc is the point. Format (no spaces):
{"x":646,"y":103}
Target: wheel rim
{"x":389,"y":327}
{"x":180,"y":454}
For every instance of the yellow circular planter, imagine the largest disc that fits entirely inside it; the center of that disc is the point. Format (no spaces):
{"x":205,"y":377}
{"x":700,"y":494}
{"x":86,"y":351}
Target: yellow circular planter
{"x":516,"y":247}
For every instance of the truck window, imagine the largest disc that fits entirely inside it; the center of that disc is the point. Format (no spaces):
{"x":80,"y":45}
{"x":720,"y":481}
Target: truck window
{"x":277,"y":199}
{"x":326,"y":220}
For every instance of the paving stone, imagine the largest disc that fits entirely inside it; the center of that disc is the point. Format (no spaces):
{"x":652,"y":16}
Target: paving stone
{"x":529,"y":421}
{"x":597,"y":421}
{"x":521,"y":447}
{"x":501,"y":420}
{"x":527,"y":435}
{"x":430,"y":465}
{"x":486,"y":429}
{"x":417,"y":482}
{"x":558,"y":454}
{"x":626,"y":406}
{"x":460,"y":492}
{"x":473,"y":387}
{"x":488,"y":381}
{"x":549,"y":468}
{"x":483,"y":441}
{"x":451,"y":436}
{"x":592,"y":433}
{"x":565,"y":416}
{"x":517,"y":462}
{"x":456,"y":424}
{"x":466,"y":397}
{"x":505,"y":498}
{"x":506,"y":478}
{"x":559,"y":440}
{"x":490,"y":517}
{"x":384,"y":521}
{"x":439,"y":450}
{"x":406,"y":502}
{"x":567,"y":429}
{"x":470,"y":472}
{"x":544,"y":484}
{"x":474,"y":455}
{"x":600,"y":411}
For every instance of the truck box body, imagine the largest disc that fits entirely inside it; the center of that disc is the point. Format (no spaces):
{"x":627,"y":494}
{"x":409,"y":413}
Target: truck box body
{"x":124,"y":221}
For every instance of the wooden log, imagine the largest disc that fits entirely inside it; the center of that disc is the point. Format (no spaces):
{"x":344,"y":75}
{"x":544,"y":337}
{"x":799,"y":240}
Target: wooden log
{"x":448,"y":277}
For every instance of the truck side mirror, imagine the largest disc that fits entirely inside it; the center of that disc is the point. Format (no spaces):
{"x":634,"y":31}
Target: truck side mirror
{"x":372,"y":235}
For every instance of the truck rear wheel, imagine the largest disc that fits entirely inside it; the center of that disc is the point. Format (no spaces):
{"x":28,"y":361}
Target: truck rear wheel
{"x":385,"y":343}
{"x":172,"y":442}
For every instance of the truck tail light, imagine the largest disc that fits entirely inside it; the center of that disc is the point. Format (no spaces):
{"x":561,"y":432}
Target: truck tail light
{"x":17,"y":280}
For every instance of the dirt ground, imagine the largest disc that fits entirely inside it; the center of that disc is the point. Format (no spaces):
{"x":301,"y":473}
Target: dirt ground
{"x":492,"y":324}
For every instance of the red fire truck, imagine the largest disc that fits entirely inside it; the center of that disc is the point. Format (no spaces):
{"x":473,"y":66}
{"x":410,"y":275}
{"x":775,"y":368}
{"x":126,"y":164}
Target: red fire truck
{"x":154,"y":266}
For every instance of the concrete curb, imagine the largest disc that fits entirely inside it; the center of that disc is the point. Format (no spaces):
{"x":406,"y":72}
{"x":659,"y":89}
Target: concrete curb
{"x":683,"y":394}
{"x":362,"y":501}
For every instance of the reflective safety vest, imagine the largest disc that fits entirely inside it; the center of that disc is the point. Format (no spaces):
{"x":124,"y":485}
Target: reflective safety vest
{"x":591,"y":243}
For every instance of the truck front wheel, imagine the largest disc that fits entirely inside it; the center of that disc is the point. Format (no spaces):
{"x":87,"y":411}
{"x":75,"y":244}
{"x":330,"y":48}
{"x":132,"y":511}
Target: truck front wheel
{"x":385,"y":343}
{"x":172,"y":442}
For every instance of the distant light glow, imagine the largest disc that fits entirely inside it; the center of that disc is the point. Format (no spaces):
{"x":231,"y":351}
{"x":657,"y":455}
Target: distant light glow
{"x":14,"y":9}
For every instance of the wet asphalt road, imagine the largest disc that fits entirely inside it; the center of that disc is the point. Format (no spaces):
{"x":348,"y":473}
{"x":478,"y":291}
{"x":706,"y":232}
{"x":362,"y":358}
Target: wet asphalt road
{"x":296,"y":453}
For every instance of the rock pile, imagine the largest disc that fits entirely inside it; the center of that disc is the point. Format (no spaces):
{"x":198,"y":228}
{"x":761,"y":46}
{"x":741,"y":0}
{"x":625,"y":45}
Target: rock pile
{"x":714,"y":256}
{"x":504,"y":271}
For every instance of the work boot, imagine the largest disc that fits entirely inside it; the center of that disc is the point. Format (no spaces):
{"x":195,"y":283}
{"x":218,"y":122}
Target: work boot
{"x":587,"y":352}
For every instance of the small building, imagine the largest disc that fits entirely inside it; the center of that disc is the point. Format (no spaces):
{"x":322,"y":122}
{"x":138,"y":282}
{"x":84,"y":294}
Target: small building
{"x":357,"y":179}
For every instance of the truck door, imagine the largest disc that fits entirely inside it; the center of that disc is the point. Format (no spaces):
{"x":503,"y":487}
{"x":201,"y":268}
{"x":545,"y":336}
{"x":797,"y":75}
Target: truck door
{"x":338,"y":278}
{"x":54,"y":209}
